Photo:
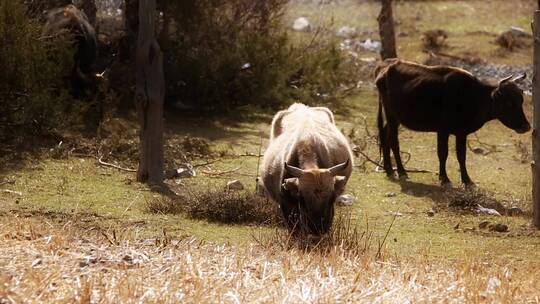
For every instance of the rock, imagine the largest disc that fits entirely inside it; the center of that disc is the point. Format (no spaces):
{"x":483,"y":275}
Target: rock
{"x":346,"y":199}
{"x":498,"y":227}
{"x":301,"y":24}
{"x":235,"y":185}
{"x":487,"y":211}
{"x":390,"y":194}
{"x":513,"y":211}
{"x":346,"y":32}
{"x":484,"y":224}
{"x":371,"y":45}
{"x":514,"y":38}
{"x":185,"y":172}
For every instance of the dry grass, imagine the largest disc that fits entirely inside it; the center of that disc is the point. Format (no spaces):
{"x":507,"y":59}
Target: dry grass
{"x":218,"y":205}
{"x":40,"y":263}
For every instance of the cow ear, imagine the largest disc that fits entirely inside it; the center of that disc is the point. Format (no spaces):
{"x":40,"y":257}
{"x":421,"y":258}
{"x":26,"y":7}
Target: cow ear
{"x":339,"y":183}
{"x":291,"y":185}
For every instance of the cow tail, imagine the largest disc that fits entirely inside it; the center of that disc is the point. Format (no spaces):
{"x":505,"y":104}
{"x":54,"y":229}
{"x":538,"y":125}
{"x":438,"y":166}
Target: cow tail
{"x":380,"y":122}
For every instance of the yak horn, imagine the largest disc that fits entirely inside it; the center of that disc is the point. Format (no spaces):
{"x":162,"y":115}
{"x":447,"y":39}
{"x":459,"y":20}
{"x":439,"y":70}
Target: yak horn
{"x":337,"y":168}
{"x":505,"y":79}
{"x":520,"y":77}
{"x":292,"y":170}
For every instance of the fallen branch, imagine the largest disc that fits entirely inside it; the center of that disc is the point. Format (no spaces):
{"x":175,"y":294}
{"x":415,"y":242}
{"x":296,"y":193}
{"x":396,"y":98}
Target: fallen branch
{"x":9,"y":181}
{"x":103,"y":163}
{"x":207,"y":163}
{"x":413,"y":170}
{"x":219,"y":173}
{"x":11,"y":192}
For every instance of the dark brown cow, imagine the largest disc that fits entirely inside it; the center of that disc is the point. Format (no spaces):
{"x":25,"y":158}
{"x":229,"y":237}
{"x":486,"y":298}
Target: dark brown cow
{"x":445,"y":100}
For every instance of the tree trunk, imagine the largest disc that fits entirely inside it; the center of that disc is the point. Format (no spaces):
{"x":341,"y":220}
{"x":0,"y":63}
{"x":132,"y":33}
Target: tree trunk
{"x":149,"y":95}
{"x":536,"y":121}
{"x":131,"y":26}
{"x":90,"y":10}
{"x":386,"y":30}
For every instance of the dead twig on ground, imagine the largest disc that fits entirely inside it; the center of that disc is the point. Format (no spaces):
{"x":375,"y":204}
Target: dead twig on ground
{"x":11,"y":192}
{"x":220,"y":173}
{"x":9,"y":181}
{"x":489,"y":147}
{"x":106,"y":164}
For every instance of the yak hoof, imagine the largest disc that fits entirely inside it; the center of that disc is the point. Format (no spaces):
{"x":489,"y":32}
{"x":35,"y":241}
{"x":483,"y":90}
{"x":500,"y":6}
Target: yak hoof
{"x":469,"y":185}
{"x":445,"y":182}
{"x":403,"y":176}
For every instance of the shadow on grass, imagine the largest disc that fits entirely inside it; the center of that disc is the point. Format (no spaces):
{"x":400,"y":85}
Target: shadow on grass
{"x":458,"y":198}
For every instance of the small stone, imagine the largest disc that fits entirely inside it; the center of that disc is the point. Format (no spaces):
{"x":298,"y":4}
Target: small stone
{"x":301,"y":24}
{"x":499,"y":227}
{"x":484,"y":224}
{"x":390,"y":194}
{"x":513,"y":211}
{"x":346,"y":199}
{"x":235,"y":185}
{"x":346,"y":32}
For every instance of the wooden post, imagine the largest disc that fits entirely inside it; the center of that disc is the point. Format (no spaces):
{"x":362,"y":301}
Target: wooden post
{"x":386,"y":30}
{"x":536,"y":120}
{"x":149,"y":96}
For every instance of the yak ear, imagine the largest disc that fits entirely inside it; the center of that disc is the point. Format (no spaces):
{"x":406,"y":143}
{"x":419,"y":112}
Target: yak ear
{"x":339,"y":183}
{"x":291,"y":185}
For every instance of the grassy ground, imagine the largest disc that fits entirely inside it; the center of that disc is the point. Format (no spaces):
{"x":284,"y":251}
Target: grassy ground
{"x":472,"y":25}
{"x":75,"y":230}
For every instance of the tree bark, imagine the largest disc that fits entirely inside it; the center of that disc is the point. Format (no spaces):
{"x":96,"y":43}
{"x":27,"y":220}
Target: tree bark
{"x":149,"y":95}
{"x":386,"y":30}
{"x":90,"y":10}
{"x":536,"y":121}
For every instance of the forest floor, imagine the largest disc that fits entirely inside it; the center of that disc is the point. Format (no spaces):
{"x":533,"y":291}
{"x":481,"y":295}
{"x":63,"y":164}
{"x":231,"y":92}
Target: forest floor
{"x":73,"y":229}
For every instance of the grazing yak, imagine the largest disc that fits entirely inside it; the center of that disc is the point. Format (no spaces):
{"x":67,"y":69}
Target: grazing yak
{"x":73,"y":20}
{"x":306,"y":166}
{"x":445,"y":100}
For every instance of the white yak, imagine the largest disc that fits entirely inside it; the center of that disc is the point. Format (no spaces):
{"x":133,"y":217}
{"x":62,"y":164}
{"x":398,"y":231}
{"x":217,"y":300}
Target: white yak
{"x":306,"y":166}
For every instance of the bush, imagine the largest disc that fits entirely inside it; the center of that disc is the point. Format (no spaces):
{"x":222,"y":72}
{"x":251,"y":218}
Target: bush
{"x":226,"y":54}
{"x":218,"y":205}
{"x":32,"y":97}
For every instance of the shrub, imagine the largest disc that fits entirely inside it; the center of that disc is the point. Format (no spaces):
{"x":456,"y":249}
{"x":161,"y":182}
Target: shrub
{"x":219,"y":205}
{"x":32,"y":97}
{"x":226,"y":54}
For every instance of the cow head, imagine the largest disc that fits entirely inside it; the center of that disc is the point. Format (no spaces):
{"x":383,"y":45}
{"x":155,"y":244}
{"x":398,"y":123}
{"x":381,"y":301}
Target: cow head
{"x":508,"y":99}
{"x":316,"y":191}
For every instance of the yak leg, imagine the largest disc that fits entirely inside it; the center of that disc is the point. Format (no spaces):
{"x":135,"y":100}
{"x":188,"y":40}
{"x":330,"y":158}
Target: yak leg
{"x":461,"y":150}
{"x":442,"y":152}
{"x":385,"y":145}
{"x":394,"y":144}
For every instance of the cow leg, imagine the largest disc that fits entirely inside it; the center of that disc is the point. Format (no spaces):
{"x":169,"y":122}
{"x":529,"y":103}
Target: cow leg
{"x":442,"y":152}
{"x":394,"y":144}
{"x":387,"y":162}
{"x":461,"y":150}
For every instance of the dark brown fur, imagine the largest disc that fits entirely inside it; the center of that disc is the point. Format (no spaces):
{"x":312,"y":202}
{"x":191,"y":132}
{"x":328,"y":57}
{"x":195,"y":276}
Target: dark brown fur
{"x":442,"y":99}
